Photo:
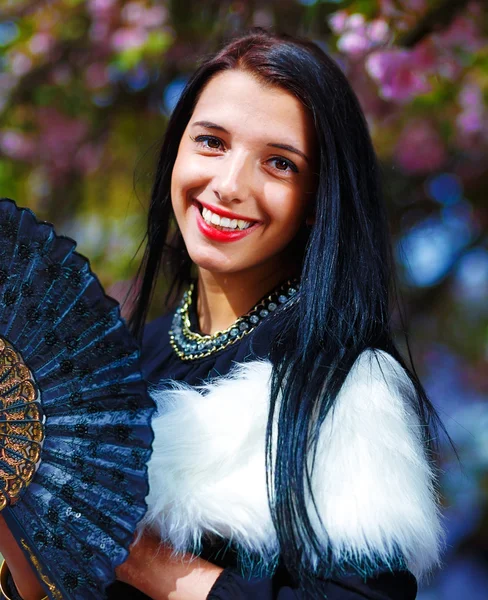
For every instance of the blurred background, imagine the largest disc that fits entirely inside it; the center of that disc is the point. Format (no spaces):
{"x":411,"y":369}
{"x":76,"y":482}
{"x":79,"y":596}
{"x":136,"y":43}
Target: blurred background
{"x":86,"y":88}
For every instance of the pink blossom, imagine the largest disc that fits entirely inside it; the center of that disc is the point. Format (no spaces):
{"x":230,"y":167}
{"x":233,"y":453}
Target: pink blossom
{"x":138,"y":15}
{"x":463,"y":33}
{"x":353,"y":42}
{"x":378,"y":31}
{"x":357,"y":37}
{"x":470,"y":122}
{"x":96,"y":75}
{"x":372,"y":104}
{"x":395,"y":72}
{"x":59,"y":137}
{"x":355,"y":21}
{"x":420,"y":148}
{"x":99,"y":31}
{"x":7,"y":83}
{"x":20,"y":63}
{"x":429,"y":57}
{"x":89,"y":157}
{"x":100,"y":6}
{"x":396,"y":8}
{"x":389,"y":8}
{"x":471,"y":96}
{"x":105,"y":16}
{"x":132,"y":12}
{"x":17,"y":145}
{"x":155,"y":17}
{"x":41,"y":43}
{"x":425,"y":57}
{"x":449,"y":67}
{"x":338,"y":21}
{"x":473,"y":118}
{"x":127,"y":38}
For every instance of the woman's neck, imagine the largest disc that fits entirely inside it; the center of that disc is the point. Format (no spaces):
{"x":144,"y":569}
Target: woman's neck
{"x":223,"y":298}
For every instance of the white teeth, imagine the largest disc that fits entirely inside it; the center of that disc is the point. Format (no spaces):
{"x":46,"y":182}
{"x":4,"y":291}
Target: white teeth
{"x":214,"y":219}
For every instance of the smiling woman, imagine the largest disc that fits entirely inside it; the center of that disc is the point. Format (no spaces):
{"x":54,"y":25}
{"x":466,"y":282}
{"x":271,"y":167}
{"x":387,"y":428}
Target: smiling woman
{"x":244,"y":161}
{"x":293,"y":455}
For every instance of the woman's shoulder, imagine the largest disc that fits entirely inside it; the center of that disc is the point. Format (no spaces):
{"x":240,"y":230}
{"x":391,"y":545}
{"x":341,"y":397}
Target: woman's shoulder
{"x":156,"y":330}
{"x":155,"y":346}
{"x":376,"y":488}
{"x":372,"y":481}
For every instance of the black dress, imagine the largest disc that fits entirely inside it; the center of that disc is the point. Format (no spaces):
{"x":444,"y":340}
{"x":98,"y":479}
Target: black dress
{"x":161,"y":362}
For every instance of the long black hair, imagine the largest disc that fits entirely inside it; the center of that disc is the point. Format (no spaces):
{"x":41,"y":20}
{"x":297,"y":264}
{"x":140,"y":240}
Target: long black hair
{"x":343,"y":306}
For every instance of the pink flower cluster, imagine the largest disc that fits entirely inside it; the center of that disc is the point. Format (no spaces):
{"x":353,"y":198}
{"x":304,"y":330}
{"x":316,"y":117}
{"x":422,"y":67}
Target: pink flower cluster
{"x":402,"y":74}
{"x":403,"y":12}
{"x":389,"y":78}
{"x":61,"y":144}
{"x":398,"y":73}
{"x":356,"y":36}
{"x":139,"y":20}
{"x":119,"y":28}
{"x":17,"y":145}
{"x":420,"y":148}
{"x":472,"y":120}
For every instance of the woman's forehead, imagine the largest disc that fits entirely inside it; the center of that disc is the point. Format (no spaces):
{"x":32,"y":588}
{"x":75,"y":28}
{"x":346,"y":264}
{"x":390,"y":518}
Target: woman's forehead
{"x":239,"y":102}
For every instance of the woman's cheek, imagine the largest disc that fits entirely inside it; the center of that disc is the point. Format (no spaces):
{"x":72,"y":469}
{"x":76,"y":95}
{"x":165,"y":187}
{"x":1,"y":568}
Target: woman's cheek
{"x":286,"y":211}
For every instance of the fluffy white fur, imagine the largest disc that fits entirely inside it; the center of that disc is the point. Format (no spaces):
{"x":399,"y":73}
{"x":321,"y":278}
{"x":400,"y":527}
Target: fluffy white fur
{"x":372,"y":483}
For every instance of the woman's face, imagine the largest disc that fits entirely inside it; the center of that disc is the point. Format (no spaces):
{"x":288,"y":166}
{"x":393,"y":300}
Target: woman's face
{"x":243,"y":179}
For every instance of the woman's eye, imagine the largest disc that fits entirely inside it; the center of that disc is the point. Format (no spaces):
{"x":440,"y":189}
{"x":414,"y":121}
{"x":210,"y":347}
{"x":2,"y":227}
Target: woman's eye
{"x":209,"y":141}
{"x":282,"y":164}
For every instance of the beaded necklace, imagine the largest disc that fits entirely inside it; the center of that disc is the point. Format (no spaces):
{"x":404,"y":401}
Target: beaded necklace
{"x":190,"y":345}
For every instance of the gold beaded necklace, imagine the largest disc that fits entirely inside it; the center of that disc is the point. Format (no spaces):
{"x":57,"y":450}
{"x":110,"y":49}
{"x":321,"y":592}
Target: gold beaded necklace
{"x":190,"y":345}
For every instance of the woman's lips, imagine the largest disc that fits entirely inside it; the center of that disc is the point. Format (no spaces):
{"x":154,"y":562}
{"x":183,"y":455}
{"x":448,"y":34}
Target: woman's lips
{"x":220,"y":235}
{"x":223,"y":212}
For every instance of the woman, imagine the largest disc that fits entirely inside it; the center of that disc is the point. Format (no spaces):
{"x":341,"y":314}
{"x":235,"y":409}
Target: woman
{"x":292,"y":456}
{"x":268,"y":167}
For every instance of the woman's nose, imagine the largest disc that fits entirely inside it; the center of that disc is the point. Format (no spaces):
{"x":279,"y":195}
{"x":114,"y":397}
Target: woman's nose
{"x":233,"y":181}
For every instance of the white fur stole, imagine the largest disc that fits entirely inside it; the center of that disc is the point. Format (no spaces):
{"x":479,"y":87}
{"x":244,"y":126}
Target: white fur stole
{"x":372,"y":483}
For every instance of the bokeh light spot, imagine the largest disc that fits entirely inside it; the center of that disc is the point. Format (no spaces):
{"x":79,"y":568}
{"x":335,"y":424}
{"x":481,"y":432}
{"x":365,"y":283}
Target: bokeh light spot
{"x":9,"y":31}
{"x":445,"y":188}
{"x":172,"y":93}
{"x":428,"y":250}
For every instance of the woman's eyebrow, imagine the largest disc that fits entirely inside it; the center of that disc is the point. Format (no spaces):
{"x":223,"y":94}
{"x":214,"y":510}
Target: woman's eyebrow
{"x":209,"y":125}
{"x":290,"y":148}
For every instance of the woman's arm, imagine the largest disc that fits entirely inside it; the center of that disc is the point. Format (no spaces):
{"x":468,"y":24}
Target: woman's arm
{"x":23,"y":574}
{"x":153,"y":570}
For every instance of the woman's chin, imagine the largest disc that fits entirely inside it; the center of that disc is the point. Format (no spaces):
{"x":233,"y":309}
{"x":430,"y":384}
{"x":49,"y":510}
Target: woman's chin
{"x":214,"y":262}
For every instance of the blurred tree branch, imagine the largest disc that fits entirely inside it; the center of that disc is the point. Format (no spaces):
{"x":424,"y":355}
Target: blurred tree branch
{"x":22,"y":9}
{"x":436,"y":18}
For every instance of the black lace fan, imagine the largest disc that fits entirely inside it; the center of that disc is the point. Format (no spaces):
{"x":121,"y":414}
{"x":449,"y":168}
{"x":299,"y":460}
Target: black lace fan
{"x":75,"y":432}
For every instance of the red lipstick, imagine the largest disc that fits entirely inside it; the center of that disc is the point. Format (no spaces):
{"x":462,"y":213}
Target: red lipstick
{"x":218,"y":235}
{"x":223,"y":212}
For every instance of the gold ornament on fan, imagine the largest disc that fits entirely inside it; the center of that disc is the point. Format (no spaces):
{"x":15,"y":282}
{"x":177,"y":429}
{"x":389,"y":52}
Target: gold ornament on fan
{"x":21,"y":425}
